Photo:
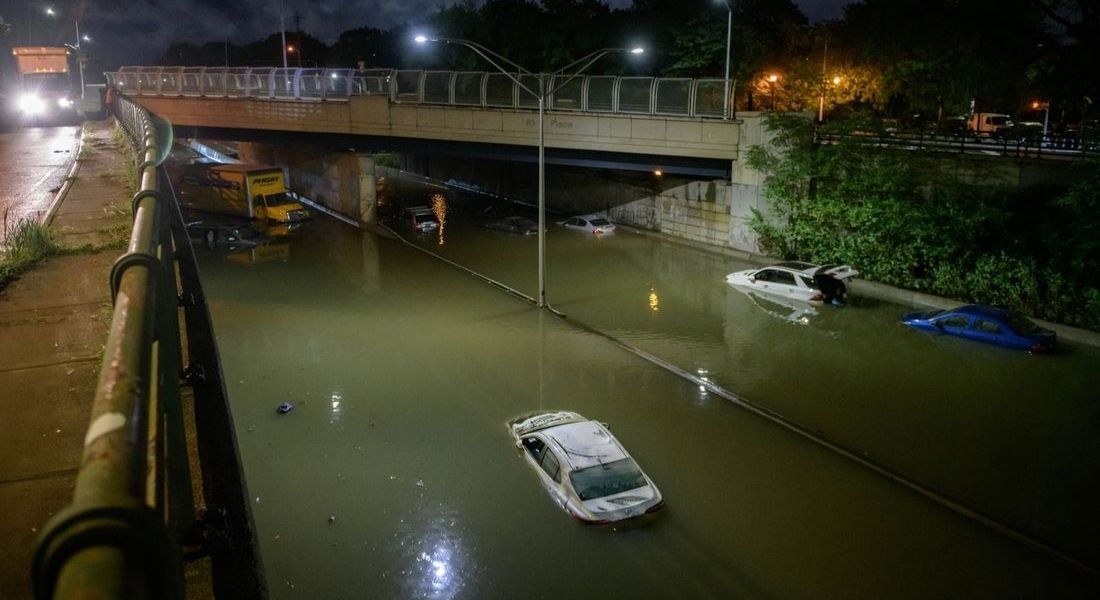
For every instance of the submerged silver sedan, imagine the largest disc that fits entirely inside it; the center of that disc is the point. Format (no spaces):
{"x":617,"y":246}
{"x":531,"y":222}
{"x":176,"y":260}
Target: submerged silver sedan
{"x":585,"y":469}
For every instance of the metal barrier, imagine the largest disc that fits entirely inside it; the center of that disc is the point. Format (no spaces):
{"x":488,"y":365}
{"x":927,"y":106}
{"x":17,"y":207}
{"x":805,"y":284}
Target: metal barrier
{"x":677,"y":97}
{"x":132,"y":508}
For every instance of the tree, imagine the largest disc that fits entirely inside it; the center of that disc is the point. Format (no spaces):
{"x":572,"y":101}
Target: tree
{"x":907,"y":221}
{"x":937,"y":55}
{"x":375,"y":47}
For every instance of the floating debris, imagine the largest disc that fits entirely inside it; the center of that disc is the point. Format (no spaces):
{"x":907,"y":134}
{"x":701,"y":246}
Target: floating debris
{"x":332,"y":519}
{"x":284,"y":408}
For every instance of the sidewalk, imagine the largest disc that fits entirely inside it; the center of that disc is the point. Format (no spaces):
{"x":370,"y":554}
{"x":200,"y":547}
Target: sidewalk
{"x":53,"y":324}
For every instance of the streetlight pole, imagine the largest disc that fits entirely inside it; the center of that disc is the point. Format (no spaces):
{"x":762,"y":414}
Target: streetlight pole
{"x":75,"y":47}
{"x":79,"y":59}
{"x":282,"y":30}
{"x":492,"y":58}
{"x":726,"y":112}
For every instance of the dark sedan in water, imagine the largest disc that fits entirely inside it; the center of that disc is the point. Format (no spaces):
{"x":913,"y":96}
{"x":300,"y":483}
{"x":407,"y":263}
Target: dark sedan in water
{"x":521,"y":225}
{"x":985,"y":324}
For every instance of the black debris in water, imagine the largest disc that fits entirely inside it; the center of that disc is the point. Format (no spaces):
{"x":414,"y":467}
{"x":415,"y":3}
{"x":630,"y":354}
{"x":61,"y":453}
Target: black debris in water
{"x":284,"y":408}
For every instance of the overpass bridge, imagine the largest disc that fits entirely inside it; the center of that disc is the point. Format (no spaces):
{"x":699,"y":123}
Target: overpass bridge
{"x":309,"y":120}
{"x":645,"y":123}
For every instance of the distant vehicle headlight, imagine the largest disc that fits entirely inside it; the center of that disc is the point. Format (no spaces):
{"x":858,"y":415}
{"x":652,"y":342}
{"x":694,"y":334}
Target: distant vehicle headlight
{"x":31,"y":105}
{"x":64,"y":102}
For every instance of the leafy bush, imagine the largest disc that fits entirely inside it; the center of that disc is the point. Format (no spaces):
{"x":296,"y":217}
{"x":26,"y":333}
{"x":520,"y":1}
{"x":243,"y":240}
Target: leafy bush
{"x":907,"y":220}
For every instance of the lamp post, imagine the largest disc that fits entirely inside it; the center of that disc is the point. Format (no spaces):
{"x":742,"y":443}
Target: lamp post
{"x":1036,"y":105}
{"x":494,"y":59}
{"x":772,"y":80}
{"x":726,"y":112}
{"x":75,"y":48}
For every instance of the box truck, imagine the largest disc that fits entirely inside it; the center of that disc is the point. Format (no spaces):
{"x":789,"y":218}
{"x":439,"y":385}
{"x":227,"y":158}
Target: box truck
{"x":45,"y":82}
{"x":244,"y":190}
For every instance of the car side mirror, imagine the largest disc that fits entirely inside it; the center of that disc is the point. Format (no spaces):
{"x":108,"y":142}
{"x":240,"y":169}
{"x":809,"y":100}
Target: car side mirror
{"x":752,"y":278}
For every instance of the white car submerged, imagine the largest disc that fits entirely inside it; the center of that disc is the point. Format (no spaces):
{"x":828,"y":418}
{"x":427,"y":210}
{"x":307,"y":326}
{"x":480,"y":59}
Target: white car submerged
{"x":593,"y":224}
{"x":796,"y":280}
{"x":585,"y":469}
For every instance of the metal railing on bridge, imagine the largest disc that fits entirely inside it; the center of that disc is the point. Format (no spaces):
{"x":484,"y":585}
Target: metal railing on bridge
{"x":133,"y":507}
{"x":675,"y":97}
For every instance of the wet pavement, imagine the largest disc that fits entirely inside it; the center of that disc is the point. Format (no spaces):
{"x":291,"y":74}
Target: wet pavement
{"x":53,"y":324}
{"x":35,"y":163}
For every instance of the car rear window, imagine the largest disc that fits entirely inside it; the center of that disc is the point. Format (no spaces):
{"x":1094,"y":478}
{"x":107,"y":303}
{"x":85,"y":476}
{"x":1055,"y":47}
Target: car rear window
{"x":1021,"y":325}
{"x":600,"y":222}
{"x":610,"y":478}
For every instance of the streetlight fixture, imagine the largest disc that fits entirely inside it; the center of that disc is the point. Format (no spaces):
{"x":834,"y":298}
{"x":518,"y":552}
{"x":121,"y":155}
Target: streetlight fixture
{"x":772,"y":79}
{"x":494,"y":59}
{"x":1036,"y":105}
{"x":726,"y":112}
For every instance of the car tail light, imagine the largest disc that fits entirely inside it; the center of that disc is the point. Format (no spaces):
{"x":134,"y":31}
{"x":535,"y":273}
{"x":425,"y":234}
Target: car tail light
{"x":817,"y":298}
{"x":1038,"y":347}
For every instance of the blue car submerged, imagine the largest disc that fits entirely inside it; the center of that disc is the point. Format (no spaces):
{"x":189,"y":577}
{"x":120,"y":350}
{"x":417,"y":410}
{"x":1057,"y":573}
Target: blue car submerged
{"x":985,"y":324}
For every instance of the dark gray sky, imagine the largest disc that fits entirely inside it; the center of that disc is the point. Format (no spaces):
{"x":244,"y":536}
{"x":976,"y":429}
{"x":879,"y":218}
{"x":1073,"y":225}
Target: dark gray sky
{"x":138,"y":30}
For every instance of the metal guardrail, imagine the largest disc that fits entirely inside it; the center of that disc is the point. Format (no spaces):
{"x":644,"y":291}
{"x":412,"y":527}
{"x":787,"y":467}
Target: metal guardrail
{"x":1049,"y":147}
{"x":132,"y":509}
{"x":700,"y":98}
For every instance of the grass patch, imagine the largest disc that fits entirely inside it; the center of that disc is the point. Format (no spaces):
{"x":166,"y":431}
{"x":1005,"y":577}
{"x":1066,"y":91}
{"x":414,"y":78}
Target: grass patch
{"x":26,"y":243}
{"x":117,"y":236}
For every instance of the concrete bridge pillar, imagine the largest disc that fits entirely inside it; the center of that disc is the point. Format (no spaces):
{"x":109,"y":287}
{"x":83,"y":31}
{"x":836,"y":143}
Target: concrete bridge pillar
{"x":343,"y":182}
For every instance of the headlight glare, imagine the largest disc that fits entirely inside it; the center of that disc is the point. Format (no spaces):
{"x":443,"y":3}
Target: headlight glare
{"x":31,"y":105}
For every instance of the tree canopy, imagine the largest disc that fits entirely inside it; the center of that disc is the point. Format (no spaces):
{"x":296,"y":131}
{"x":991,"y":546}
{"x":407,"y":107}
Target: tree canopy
{"x":900,"y":57}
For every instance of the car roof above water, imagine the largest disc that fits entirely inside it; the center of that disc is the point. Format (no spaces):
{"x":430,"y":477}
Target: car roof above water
{"x":585,"y":444}
{"x":979,"y":310}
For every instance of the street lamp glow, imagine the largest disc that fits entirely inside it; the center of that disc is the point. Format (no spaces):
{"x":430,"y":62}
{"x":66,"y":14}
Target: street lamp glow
{"x":638,"y":50}
{"x":836,"y":80}
{"x":49,"y":11}
{"x":420,"y":39}
{"x":773,"y":78}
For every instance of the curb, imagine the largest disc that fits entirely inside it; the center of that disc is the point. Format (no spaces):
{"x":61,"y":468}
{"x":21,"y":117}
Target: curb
{"x":874,"y":289}
{"x":51,"y":212}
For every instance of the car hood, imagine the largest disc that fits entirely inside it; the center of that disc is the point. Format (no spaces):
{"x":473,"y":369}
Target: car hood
{"x":741,"y":275}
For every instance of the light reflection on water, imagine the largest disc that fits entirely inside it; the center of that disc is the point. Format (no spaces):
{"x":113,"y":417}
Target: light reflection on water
{"x":394,"y":476}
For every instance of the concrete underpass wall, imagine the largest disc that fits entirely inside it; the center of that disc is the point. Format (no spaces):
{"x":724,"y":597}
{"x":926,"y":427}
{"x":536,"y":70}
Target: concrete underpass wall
{"x":343,"y":182}
{"x":714,"y":212}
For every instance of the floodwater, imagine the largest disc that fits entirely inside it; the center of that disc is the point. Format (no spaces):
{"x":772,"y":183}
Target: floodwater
{"x":394,"y":475}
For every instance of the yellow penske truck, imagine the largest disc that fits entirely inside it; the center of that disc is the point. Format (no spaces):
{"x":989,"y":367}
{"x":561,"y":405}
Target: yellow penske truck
{"x":244,"y":190}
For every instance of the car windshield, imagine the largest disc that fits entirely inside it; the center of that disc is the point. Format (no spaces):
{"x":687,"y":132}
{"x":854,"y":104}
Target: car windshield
{"x":602,"y":480}
{"x":600,"y":222}
{"x":279,"y":199}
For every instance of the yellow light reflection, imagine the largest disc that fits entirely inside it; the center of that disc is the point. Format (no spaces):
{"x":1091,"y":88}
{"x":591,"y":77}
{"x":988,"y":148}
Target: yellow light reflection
{"x":439,"y":207}
{"x":654,"y":300}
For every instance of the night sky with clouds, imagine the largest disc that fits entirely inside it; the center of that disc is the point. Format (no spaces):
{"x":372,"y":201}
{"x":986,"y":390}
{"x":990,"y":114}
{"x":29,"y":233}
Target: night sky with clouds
{"x":140,"y":30}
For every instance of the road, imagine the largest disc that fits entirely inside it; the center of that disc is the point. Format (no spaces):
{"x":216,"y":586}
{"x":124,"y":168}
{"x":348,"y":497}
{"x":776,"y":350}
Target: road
{"x":35,"y":162}
{"x":394,"y":477}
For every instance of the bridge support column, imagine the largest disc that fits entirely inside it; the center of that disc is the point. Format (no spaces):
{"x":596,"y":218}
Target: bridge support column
{"x":343,"y":182}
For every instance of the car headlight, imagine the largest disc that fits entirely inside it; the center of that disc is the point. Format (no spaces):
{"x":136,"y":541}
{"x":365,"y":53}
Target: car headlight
{"x":31,"y":104}
{"x":64,"y":102}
